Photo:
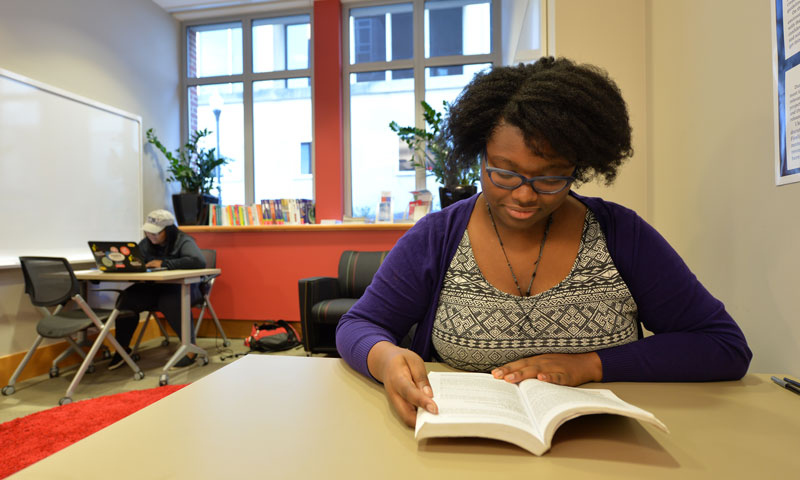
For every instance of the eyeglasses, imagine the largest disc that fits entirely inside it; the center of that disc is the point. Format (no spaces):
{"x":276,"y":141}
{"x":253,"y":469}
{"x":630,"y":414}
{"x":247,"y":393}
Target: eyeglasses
{"x":547,"y":185}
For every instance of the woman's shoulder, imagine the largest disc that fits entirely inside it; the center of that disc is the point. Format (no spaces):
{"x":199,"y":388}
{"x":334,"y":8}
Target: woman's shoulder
{"x":610,"y":215}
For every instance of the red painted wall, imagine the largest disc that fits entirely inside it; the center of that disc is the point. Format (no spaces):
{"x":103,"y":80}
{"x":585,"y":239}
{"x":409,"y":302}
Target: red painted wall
{"x":328,"y":130}
{"x":260,"y":269}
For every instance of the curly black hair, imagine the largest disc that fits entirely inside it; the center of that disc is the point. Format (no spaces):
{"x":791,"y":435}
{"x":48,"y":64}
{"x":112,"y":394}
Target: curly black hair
{"x":576,"y":110}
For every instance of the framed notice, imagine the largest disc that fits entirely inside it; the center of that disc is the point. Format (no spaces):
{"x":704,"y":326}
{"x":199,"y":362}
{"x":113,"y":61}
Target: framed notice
{"x":786,"y":89}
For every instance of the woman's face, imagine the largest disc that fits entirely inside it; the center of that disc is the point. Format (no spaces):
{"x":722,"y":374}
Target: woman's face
{"x":521,"y":208}
{"x":157,"y":238}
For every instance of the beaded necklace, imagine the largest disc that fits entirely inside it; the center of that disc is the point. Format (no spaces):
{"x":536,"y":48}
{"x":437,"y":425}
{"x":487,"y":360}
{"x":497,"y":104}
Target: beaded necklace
{"x":538,"y":260}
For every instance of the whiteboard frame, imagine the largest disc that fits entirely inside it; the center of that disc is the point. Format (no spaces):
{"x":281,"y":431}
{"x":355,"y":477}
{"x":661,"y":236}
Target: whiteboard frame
{"x":4,"y":263}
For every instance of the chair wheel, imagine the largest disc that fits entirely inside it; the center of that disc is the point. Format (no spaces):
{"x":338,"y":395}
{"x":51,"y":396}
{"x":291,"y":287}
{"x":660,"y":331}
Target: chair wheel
{"x":106,"y":354}
{"x":138,"y":375}
{"x":204,"y":360}
{"x":65,"y":401}
{"x":54,"y":372}
{"x":8,"y":390}
{"x":90,"y":369}
{"x":164,"y":343}
{"x":136,"y":357}
{"x":163,"y":380}
{"x":226,"y":343}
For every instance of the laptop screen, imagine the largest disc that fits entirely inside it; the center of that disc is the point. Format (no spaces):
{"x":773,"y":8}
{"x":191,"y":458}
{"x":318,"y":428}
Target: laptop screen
{"x":118,"y":256}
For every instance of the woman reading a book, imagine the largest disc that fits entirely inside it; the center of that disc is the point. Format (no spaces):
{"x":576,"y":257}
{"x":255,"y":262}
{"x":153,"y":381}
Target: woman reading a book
{"x":528,"y":279}
{"x":164,"y":246}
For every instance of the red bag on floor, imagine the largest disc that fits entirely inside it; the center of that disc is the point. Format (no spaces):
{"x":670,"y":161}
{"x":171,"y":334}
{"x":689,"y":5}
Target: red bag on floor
{"x":272,"y":337}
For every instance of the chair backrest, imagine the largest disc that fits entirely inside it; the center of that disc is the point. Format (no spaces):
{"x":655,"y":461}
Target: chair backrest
{"x":49,"y":281}
{"x":210,"y":256}
{"x":356,"y":270}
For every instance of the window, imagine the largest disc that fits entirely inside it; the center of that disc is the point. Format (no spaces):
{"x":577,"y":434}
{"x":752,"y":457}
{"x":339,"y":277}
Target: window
{"x":305,"y":158}
{"x":385,"y":80}
{"x":258,"y":108}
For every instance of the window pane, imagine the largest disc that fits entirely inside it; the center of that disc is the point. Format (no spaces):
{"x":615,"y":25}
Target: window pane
{"x":218,"y":108}
{"x":379,"y":34}
{"x":446,"y":88}
{"x":375,"y":149}
{"x":214,"y":50}
{"x":281,"y":43}
{"x":282,"y":126}
{"x":457,"y":27}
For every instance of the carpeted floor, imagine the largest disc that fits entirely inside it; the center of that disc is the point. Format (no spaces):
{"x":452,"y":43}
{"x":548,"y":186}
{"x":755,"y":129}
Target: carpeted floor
{"x":29,"y":439}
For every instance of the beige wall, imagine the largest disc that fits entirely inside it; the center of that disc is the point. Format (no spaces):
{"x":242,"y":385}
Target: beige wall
{"x":710,"y":101}
{"x":118,"y":52}
{"x":611,"y":34}
{"x":697,"y":77}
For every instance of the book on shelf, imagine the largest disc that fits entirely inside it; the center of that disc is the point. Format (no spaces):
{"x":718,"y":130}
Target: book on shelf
{"x":266,"y":212}
{"x":290,"y":211}
{"x":525,"y":414}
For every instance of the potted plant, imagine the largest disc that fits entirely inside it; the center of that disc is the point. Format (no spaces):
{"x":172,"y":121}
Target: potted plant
{"x":195,"y":169}
{"x":431,"y":151}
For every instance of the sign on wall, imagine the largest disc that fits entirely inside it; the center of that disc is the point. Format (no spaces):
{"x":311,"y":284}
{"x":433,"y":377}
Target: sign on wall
{"x":786,"y":89}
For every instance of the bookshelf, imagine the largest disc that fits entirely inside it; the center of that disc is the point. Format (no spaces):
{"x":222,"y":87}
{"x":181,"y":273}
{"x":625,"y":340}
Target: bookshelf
{"x":341,"y":227}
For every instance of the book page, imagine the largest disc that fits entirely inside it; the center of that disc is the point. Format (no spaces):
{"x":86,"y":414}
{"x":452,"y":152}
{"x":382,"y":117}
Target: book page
{"x":475,"y":397}
{"x":551,"y":405}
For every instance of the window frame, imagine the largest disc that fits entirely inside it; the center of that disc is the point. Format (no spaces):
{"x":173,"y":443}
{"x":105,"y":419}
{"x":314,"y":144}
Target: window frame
{"x":247,"y":78}
{"x":418,"y":63}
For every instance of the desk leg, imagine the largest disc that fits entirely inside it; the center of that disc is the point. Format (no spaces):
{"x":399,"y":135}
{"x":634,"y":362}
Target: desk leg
{"x":186,"y":336}
{"x":138,"y":374}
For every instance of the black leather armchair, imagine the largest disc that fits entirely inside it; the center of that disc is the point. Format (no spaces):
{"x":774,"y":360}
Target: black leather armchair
{"x":323,"y":300}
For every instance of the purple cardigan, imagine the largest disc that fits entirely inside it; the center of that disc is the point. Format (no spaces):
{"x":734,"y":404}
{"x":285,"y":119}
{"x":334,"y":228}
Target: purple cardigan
{"x":694,"y":339}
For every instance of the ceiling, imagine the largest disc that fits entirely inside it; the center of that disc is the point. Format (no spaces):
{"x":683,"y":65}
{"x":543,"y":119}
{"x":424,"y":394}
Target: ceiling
{"x":173,"y":6}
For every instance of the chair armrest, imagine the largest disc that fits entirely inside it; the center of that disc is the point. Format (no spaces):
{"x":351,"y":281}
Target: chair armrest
{"x":311,"y":291}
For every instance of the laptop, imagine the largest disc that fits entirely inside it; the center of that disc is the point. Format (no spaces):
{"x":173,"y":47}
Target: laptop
{"x":119,"y":257}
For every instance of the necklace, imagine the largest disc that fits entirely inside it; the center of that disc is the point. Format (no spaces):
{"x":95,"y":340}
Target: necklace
{"x":538,"y":259}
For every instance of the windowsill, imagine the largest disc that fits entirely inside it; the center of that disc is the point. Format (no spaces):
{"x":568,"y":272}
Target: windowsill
{"x":297,"y":228}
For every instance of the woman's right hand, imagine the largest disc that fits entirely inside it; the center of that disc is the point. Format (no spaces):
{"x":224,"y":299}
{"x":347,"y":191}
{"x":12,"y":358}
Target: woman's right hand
{"x":404,"y":378}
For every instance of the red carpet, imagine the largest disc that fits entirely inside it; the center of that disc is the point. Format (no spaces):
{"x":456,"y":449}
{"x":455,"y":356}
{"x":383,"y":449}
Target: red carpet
{"x":29,"y":439}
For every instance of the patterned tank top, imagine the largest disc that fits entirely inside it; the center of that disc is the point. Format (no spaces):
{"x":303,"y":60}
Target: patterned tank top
{"x":478,"y":327}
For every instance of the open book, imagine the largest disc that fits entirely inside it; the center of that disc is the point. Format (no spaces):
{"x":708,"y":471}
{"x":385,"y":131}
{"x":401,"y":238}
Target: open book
{"x":528,"y":414}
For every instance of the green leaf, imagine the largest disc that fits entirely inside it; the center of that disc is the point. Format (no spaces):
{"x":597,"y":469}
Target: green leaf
{"x":192,"y":166}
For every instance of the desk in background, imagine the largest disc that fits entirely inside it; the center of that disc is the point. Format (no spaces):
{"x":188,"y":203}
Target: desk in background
{"x":182,"y":277}
{"x":315,"y":418}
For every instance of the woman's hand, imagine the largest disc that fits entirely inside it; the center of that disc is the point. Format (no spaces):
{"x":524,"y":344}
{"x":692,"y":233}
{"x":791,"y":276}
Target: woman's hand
{"x":154,"y":264}
{"x":570,"y":369}
{"x":404,"y":378}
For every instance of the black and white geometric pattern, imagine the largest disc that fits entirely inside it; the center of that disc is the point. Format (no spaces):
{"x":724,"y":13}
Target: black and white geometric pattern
{"x":478,"y":327}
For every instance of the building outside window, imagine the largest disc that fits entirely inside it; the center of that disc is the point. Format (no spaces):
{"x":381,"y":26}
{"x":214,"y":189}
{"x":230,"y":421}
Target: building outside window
{"x":248,"y":81}
{"x":385,"y":80}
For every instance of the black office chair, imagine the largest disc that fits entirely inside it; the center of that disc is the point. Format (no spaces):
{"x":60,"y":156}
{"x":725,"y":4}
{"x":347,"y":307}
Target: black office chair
{"x":323,"y":300}
{"x":50,"y":283}
{"x":204,"y":303}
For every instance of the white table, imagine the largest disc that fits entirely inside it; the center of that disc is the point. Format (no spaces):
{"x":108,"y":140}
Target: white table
{"x":182,"y":277}
{"x":271,"y":416}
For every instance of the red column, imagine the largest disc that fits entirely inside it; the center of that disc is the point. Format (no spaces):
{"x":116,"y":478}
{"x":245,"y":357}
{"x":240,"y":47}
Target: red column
{"x":328,"y":130}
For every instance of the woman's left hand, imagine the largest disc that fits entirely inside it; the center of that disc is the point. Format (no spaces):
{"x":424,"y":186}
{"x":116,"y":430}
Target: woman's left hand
{"x":570,"y":369}
{"x":154,"y":264}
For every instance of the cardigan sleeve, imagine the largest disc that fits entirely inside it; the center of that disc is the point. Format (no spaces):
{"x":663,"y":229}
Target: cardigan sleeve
{"x":398,"y":297}
{"x":405,"y":290}
{"x":694,"y":338}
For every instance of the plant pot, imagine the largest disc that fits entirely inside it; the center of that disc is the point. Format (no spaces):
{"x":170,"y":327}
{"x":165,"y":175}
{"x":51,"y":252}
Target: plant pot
{"x":192,"y":208}
{"x":450,"y":195}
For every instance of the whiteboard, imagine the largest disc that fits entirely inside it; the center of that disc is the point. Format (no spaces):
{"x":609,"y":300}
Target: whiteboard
{"x":70,"y":172}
